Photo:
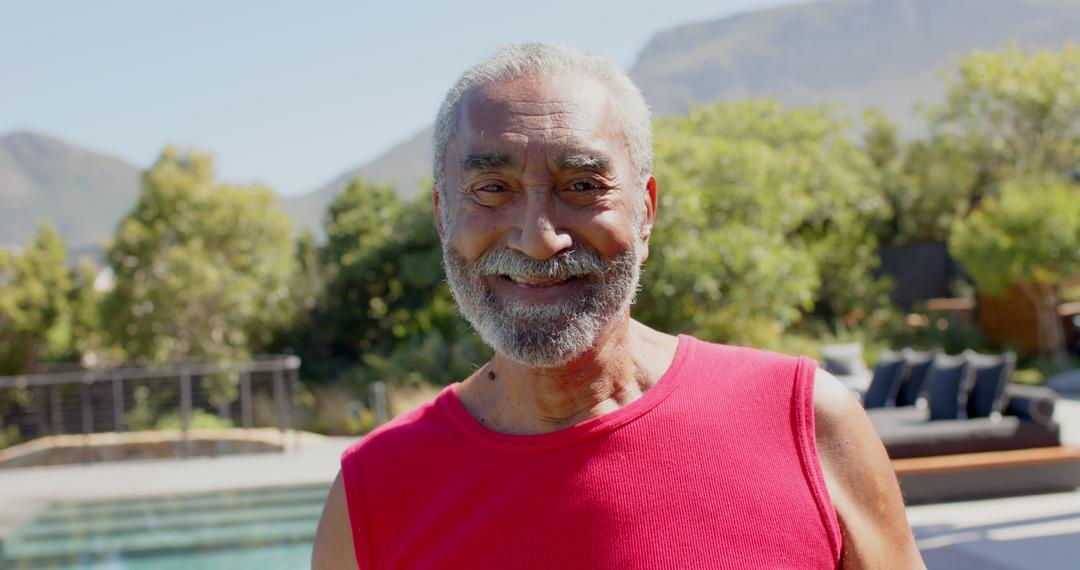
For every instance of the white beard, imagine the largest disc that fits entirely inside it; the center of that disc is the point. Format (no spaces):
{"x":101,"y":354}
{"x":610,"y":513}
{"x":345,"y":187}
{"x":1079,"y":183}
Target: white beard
{"x":550,"y":334}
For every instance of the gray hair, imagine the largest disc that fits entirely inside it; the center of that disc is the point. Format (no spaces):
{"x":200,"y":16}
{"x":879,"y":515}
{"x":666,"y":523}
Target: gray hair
{"x":522,"y":59}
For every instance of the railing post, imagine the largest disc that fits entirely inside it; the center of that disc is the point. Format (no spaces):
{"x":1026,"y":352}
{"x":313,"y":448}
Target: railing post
{"x":118,"y":401}
{"x":294,"y":385}
{"x":245,"y":398}
{"x":185,"y":411}
{"x":294,"y":388}
{"x":87,"y":414}
{"x":279,"y":404}
{"x":382,"y":407}
{"x":39,"y":410}
{"x":57,"y":413}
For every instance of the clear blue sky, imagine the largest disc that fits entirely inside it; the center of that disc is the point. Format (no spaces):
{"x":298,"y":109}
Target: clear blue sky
{"x":290,"y":94}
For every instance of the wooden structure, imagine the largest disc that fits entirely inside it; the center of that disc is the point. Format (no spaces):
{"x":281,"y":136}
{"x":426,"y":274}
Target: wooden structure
{"x":988,"y":474}
{"x":1010,"y":320}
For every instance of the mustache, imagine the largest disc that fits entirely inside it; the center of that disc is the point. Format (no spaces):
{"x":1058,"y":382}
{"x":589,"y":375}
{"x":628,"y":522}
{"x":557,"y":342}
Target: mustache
{"x":576,"y":262}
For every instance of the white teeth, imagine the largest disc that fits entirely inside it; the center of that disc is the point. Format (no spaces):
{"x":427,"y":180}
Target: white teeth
{"x":526,"y":281}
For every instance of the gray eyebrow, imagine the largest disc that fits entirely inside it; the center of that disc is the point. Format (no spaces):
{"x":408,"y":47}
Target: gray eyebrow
{"x":486,"y":161}
{"x":579,"y":161}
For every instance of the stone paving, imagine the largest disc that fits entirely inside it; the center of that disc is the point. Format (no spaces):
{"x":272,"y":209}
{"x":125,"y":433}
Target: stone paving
{"x":1037,"y":531}
{"x":1013,"y":533}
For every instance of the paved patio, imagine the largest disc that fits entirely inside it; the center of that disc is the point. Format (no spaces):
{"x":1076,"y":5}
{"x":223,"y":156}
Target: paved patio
{"x":1037,"y":531}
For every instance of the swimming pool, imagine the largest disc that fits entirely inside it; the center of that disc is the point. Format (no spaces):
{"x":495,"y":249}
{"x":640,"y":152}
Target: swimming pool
{"x":266,"y":529}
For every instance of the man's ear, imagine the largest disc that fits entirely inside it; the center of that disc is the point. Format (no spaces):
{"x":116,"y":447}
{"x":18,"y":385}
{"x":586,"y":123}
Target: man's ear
{"x":650,"y":209}
{"x":435,"y":207}
{"x":650,"y":216}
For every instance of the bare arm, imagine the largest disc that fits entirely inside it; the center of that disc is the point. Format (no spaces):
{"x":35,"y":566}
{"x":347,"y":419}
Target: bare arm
{"x":861,"y":482}
{"x":333,"y":541}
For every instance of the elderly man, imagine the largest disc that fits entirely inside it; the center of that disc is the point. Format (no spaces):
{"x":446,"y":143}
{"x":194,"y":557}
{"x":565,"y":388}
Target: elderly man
{"x":591,"y":440}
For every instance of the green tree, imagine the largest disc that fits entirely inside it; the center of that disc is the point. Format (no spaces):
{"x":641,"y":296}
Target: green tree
{"x":1007,"y":114}
{"x":202,"y":269}
{"x":346,"y":320}
{"x":1015,"y":112}
{"x":385,"y":304}
{"x":1028,"y":236}
{"x":927,"y":183}
{"x":88,"y":344}
{"x":34,"y":288}
{"x":881,"y":139}
{"x":764,"y":215}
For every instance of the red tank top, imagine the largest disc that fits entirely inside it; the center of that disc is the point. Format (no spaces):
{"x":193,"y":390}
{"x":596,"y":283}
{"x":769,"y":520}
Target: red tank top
{"x":714,"y":467}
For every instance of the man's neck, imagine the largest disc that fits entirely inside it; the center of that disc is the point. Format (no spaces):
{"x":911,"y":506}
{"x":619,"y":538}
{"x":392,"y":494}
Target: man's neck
{"x":628,"y":359}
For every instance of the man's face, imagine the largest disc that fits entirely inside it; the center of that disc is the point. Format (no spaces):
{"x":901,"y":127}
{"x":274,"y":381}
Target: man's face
{"x":543,"y":225}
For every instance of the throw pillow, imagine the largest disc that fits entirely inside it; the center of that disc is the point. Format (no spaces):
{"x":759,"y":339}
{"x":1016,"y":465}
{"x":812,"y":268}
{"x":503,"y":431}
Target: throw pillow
{"x":918,"y":364}
{"x":888,"y":374}
{"x":947,"y":387}
{"x":991,"y":375}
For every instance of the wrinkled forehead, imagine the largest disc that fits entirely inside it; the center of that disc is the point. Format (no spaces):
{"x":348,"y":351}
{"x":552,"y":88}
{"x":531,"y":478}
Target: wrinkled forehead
{"x":562,"y":109}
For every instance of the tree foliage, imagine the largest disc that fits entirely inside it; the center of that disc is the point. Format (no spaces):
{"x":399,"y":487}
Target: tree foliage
{"x":88,"y":343}
{"x":1030,"y":232}
{"x":34,"y":289}
{"x":764,"y":215}
{"x":385,"y":303}
{"x":926,"y":183}
{"x":1015,"y":112}
{"x":1028,"y":236}
{"x":202,"y":268}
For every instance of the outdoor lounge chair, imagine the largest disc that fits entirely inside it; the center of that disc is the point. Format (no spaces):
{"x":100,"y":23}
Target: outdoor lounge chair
{"x":958,"y":404}
{"x":969,"y":432}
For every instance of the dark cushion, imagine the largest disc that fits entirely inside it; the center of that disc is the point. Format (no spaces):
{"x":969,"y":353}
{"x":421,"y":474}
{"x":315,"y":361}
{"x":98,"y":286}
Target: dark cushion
{"x":991,"y":373}
{"x":907,"y":433}
{"x":1031,"y":403}
{"x":914,"y":382}
{"x":888,"y":374}
{"x":947,"y":387}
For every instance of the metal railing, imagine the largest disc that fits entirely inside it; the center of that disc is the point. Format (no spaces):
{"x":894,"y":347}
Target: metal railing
{"x":261,"y":392}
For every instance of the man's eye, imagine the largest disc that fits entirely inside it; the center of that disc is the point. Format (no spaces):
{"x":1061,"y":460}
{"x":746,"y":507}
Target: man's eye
{"x":584,"y":186}
{"x":492,"y":188}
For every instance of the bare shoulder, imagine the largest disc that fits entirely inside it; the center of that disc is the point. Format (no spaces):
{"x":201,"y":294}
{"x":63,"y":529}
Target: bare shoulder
{"x":860,"y":481}
{"x":333,"y":548}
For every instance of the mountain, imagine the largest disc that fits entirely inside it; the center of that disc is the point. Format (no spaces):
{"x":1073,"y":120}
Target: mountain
{"x":886,"y":53}
{"x":81,"y":193}
{"x":854,"y":53}
{"x":407,"y":165}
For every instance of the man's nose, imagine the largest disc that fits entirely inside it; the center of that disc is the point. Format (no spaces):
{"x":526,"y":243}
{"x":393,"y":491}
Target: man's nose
{"x":538,"y":234}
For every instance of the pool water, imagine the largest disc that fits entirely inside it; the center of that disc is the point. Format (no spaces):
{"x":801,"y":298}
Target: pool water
{"x":265,"y":529}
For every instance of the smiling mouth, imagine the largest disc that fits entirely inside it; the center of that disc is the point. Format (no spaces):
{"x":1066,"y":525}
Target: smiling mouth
{"x":537,"y":282}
